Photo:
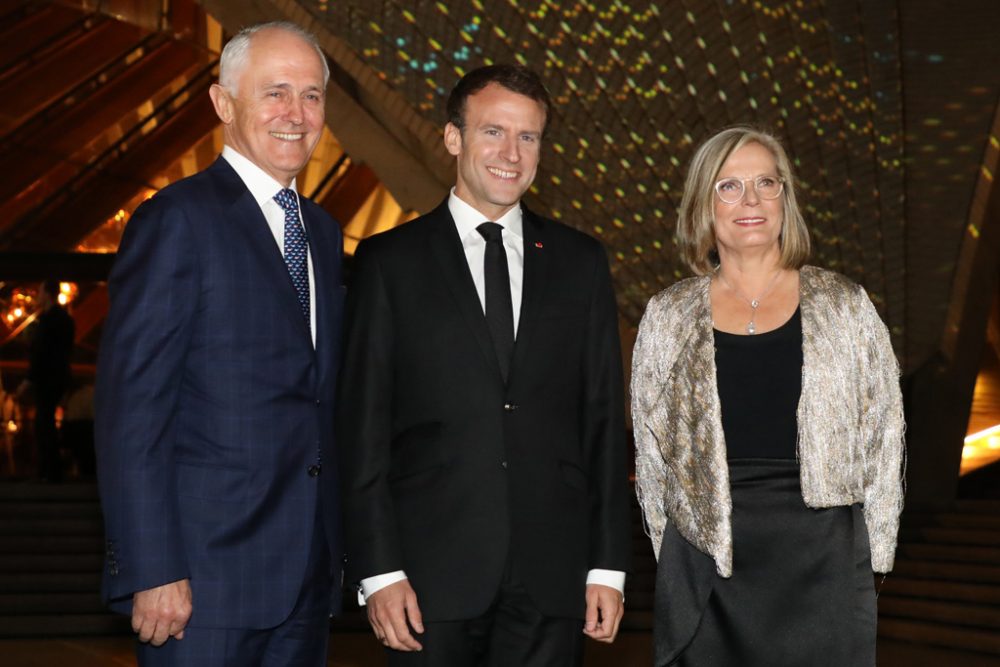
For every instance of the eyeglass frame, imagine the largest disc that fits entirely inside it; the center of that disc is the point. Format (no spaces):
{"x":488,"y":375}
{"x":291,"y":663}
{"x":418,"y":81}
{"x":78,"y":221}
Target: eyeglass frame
{"x":743,"y":188}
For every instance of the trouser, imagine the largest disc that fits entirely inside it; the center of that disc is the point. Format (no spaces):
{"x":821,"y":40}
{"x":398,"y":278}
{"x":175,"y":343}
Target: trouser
{"x":511,"y":632}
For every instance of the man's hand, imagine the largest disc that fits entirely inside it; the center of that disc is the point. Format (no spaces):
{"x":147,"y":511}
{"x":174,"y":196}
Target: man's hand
{"x":389,"y":609}
{"x":604,"y":613}
{"x":162,"y":612}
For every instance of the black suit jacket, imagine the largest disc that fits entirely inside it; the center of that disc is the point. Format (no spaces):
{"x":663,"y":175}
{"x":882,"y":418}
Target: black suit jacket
{"x":212,"y":404}
{"x":447,"y":472}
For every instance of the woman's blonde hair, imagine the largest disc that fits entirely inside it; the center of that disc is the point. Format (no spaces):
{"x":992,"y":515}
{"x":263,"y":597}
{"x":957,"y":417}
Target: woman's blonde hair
{"x":696,"y":217}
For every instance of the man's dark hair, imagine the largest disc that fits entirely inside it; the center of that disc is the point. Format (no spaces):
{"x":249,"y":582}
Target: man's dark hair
{"x":51,"y":287}
{"x":514,"y":78}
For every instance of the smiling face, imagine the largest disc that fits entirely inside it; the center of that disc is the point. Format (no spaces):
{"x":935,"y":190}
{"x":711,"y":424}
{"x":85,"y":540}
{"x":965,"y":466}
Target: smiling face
{"x":498,"y":150}
{"x":276,"y":116}
{"x":751,"y":225}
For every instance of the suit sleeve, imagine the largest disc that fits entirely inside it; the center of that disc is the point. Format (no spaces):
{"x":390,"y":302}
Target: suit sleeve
{"x":154,"y":294}
{"x":604,"y":428}
{"x":364,"y":420}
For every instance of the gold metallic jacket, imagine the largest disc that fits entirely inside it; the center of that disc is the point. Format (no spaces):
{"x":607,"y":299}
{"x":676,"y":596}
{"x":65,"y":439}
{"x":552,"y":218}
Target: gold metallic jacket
{"x":850,"y":415}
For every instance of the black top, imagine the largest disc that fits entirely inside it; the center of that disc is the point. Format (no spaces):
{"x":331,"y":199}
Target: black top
{"x":760,"y":379}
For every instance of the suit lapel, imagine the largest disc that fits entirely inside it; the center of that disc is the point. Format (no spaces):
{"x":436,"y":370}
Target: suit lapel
{"x":446,"y":248}
{"x":246,"y":216}
{"x":532,"y":287}
{"x":327,"y":286}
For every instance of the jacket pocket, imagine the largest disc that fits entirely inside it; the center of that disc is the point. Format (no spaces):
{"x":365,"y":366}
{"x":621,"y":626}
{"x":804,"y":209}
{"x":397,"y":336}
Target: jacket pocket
{"x":208,"y":482}
{"x":416,"y":450}
{"x":573,"y":475}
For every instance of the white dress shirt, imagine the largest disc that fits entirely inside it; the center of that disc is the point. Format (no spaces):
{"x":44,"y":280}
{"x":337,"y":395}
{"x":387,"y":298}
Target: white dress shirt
{"x":263,"y":188}
{"x":466,"y":220}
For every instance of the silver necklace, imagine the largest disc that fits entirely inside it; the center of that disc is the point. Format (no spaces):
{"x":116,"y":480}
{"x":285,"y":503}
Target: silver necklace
{"x":754,"y":303}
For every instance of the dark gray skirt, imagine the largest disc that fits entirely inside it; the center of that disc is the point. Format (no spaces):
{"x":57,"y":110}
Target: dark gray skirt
{"x":802,"y":590}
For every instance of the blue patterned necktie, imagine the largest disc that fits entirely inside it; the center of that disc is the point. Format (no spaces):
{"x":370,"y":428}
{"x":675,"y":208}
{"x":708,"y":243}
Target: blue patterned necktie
{"x":296,"y":248}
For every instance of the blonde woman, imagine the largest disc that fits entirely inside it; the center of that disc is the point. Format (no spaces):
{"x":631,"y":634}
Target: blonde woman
{"x":769,"y":430}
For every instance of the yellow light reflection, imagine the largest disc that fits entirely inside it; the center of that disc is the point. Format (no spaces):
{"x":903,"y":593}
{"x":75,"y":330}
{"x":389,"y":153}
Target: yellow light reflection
{"x":980,"y":449}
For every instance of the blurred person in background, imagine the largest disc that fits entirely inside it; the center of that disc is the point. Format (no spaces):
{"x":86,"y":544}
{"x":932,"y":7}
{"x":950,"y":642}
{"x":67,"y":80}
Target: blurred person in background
{"x":48,"y":375}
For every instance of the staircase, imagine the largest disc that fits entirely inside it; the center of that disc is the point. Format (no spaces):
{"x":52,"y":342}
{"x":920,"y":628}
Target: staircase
{"x":51,"y":546}
{"x":941,"y":602}
{"x":945,"y":589}
{"x":641,"y":580}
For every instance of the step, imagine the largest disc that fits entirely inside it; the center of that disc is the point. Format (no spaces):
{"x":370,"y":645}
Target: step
{"x":51,"y":562}
{"x":60,"y":582}
{"x":38,"y":603}
{"x":940,"y":590}
{"x":56,"y":509}
{"x":946,"y":552}
{"x":953,"y":520}
{"x":939,"y":535}
{"x":959,"y":572}
{"x":892,"y":652}
{"x":941,"y":612}
{"x":42,"y":544}
{"x":48,"y":492}
{"x":66,"y":625}
{"x":919,"y":632}
{"x":978,"y":506}
{"x":71,"y":526}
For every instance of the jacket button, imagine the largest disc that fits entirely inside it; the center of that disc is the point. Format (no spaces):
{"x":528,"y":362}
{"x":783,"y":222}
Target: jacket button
{"x":503,"y":464}
{"x":313,"y":470}
{"x":510,"y":407}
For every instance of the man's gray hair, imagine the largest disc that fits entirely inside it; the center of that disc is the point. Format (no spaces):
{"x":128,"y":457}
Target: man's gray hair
{"x":237,"y":52}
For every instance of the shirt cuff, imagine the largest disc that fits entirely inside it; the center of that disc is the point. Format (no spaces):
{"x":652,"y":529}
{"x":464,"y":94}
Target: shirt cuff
{"x":379,"y":581}
{"x":612,"y":578}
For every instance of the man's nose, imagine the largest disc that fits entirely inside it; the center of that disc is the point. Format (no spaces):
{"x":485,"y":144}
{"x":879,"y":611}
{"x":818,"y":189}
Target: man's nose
{"x":293,"y":112}
{"x":511,"y":150}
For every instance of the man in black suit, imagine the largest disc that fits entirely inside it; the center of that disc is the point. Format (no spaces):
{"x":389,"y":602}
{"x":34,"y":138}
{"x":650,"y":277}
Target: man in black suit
{"x":480,"y":412}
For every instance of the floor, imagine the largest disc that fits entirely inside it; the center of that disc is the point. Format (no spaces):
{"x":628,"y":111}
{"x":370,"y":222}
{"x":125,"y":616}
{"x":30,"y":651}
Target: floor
{"x":346,"y":650}
{"x":361,"y":650}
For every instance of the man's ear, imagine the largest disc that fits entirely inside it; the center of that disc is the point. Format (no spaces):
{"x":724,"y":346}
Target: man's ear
{"x":222,"y":102}
{"x":452,"y":139}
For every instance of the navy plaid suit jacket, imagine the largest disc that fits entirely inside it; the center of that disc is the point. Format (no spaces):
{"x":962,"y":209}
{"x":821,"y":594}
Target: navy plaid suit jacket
{"x":212,"y":403}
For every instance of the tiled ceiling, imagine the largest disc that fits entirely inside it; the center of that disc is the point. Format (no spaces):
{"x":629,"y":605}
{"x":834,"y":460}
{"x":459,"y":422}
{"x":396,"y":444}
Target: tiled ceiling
{"x":886,"y":108}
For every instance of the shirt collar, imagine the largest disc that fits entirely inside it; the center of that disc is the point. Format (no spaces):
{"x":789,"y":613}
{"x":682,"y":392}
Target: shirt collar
{"x":261,"y":185}
{"x":467,"y":218}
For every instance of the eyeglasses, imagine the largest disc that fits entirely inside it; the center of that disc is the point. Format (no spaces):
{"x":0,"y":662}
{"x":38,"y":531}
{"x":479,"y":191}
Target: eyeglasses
{"x":732,"y":190}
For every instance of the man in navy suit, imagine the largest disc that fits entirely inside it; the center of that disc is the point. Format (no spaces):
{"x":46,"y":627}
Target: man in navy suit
{"x":215,"y":386}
